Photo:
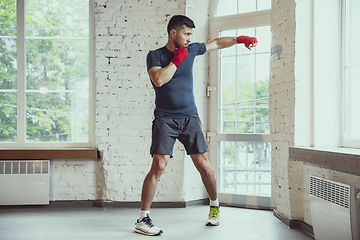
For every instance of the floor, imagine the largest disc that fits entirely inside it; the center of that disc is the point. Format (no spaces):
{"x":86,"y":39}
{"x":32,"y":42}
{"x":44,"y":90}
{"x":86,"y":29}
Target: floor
{"x":52,"y":223}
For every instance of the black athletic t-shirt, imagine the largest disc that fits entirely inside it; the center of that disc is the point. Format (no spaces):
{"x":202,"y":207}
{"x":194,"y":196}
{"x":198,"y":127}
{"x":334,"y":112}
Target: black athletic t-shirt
{"x":175,"y":99}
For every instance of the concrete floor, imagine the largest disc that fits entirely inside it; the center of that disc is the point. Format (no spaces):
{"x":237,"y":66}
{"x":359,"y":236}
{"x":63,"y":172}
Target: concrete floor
{"x":52,"y":223}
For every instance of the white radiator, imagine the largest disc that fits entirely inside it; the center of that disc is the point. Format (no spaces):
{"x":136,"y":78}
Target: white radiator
{"x":24,"y":182}
{"x":335,"y":210}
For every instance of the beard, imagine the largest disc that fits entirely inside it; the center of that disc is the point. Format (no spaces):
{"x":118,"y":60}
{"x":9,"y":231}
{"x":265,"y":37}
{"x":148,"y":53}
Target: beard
{"x":176,"y":43}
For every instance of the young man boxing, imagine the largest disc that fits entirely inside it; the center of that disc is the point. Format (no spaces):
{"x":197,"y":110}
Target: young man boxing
{"x":176,"y":116}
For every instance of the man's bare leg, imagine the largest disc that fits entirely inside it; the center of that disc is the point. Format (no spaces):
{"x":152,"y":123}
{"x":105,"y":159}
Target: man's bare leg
{"x":202,"y":164}
{"x":145,"y":225}
{"x":151,"y":180}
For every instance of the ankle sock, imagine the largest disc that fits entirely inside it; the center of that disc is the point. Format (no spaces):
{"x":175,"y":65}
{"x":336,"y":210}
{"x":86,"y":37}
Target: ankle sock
{"x":144,"y":214}
{"x":214,"y":202}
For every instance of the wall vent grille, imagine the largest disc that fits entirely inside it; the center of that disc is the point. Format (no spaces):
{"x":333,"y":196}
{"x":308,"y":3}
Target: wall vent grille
{"x":330,"y":191}
{"x":24,"y":167}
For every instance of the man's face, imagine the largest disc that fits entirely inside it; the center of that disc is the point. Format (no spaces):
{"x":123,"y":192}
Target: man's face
{"x":183,"y":37}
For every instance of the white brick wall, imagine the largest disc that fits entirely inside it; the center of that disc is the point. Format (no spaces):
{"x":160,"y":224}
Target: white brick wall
{"x":75,"y":180}
{"x":282,"y":100}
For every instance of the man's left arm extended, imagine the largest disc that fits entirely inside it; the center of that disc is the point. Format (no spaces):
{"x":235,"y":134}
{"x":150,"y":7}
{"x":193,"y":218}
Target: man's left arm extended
{"x":224,"y":42}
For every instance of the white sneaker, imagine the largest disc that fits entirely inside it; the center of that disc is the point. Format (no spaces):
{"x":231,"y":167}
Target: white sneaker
{"x":147,"y":227}
{"x":214,"y":216}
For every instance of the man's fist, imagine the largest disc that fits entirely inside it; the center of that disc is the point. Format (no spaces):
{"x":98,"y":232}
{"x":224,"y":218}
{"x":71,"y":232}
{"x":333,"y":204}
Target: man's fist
{"x":179,"y":55}
{"x":248,"y":41}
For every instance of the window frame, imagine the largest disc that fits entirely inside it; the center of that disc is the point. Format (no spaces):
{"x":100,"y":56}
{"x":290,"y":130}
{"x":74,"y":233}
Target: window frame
{"x":21,"y":101}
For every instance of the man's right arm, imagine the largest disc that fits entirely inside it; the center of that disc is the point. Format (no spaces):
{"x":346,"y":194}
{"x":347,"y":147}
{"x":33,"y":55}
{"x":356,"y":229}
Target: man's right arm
{"x":160,"y":75}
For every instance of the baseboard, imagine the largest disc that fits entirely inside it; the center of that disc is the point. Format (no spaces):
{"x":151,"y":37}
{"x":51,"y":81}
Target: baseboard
{"x":153,"y":205}
{"x":246,"y":206}
{"x":307,"y":228}
{"x":75,"y":203}
{"x":102,"y":203}
{"x":294,"y":223}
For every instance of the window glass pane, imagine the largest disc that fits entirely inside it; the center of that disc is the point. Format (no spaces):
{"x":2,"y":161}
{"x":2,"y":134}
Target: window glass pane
{"x":262,"y":93}
{"x":8,"y":71}
{"x":57,"y":64}
{"x":245,"y":93}
{"x":230,"y":50}
{"x":245,"y":6}
{"x":262,"y":65}
{"x":57,"y":117}
{"x":245,"y":119}
{"x":228,"y":74}
{"x":8,"y":64}
{"x":263,"y":5}
{"x":226,"y":7}
{"x":57,"y":71}
{"x":262,"y":119}
{"x":352,"y":71}
{"x":245,"y":76}
{"x":7,"y":18}
{"x":229,"y":7}
{"x":57,"y":18}
{"x":8,"y":117}
{"x":228,"y":94}
{"x":245,"y":168}
{"x":228,"y":120}
{"x":263,"y":35}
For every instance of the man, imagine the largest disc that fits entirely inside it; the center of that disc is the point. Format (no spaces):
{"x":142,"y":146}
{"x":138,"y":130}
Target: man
{"x":176,"y":116}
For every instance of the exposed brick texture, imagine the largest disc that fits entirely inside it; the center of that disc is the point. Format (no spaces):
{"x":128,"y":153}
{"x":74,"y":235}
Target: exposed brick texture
{"x":282,"y":99}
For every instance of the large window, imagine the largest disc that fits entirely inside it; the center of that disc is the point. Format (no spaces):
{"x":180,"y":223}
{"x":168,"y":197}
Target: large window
{"x":351,"y":33}
{"x":239,"y":104}
{"x":336,"y":69}
{"x":245,"y":167}
{"x":45,"y":86}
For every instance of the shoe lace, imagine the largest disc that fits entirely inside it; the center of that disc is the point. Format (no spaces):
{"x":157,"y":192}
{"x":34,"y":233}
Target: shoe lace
{"x":147,"y":220}
{"x":213,"y":212}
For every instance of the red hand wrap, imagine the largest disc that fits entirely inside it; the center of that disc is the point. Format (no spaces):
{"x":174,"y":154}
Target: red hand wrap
{"x":179,"y":55}
{"x":246,"y":40}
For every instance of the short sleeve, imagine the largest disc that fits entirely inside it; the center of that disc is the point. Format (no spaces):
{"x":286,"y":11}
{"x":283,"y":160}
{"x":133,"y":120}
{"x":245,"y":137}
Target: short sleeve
{"x":153,"y":60}
{"x":197,"y":48}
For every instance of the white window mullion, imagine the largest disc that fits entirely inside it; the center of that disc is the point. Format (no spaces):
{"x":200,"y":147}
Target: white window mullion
{"x":92,"y":85}
{"x":21,"y":62}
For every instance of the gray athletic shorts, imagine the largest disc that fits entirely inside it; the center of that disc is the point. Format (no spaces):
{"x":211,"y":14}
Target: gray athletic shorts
{"x":189,"y":131}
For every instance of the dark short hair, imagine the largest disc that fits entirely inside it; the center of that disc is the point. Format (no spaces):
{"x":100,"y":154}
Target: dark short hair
{"x":178,"y":21}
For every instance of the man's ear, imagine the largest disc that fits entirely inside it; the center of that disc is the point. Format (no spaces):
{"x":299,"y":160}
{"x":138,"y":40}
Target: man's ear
{"x":173,"y":32}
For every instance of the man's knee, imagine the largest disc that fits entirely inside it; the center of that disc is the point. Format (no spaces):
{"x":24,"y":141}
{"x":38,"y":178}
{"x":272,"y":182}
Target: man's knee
{"x":159,"y":163}
{"x":202,"y":163}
